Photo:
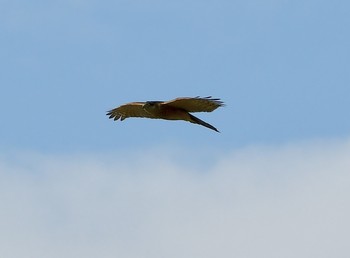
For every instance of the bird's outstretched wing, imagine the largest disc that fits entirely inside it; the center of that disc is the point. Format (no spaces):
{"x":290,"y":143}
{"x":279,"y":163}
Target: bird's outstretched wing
{"x":133,"y":109}
{"x":197,"y":104}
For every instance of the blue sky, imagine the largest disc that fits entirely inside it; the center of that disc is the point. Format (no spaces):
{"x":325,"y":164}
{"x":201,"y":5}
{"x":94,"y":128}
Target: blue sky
{"x":78,"y":184}
{"x":280,"y":66}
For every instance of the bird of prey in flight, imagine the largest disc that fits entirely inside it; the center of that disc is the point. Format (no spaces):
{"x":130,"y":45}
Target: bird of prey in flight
{"x":176,"y":109}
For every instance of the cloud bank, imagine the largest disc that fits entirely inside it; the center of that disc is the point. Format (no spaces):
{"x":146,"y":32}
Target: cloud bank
{"x":286,"y":201}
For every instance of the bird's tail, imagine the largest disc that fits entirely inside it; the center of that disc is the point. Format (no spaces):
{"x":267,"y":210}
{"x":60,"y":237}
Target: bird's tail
{"x":196,"y":120}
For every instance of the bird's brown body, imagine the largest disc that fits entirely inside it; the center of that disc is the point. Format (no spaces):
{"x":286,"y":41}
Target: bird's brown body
{"x":177,"y":109}
{"x":169,"y":113}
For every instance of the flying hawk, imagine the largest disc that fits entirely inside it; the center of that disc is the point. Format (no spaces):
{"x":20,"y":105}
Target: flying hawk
{"x":176,"y":109}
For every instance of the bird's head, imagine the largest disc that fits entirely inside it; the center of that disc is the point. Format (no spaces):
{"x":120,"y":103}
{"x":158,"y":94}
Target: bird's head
{"x":150,"y":106}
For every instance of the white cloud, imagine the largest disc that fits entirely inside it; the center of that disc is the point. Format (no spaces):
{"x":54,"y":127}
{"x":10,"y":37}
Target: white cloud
{"x":289,"y":201}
